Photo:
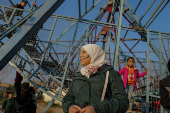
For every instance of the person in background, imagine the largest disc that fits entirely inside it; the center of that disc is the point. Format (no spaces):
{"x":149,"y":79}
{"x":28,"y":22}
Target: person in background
{"x":17,"y":13}
{"x":20,"y":6}
{"x":7,"y":102}
{"x":25,"y":97}
{"x":97,"y":88}
{"x":130,"y":74}
{"x":164,"y":93}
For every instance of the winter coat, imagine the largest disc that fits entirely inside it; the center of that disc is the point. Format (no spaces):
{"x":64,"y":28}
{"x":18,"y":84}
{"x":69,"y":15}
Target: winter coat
{"x":85,"y":92}
{"x":164,"y":93}
{"x":125,"y":71}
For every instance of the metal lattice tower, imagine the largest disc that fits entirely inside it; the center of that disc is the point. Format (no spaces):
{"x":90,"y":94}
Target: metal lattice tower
{"x":44,"y":47}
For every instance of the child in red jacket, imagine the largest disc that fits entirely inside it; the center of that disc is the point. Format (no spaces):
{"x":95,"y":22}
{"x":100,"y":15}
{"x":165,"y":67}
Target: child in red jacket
{"x":130,"y":74}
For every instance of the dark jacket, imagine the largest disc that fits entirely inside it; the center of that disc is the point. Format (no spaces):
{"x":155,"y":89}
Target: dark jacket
{"x":164,"y":93}
{"x":85,"y":92}
{"x":23,"y":102}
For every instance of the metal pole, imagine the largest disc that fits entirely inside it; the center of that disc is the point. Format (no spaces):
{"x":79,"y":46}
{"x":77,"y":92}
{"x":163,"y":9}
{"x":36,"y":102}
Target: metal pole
{"x":108,"y":44}
{"x":91,"y":8}
{"x":38,"y":95}
{"x":79,"y":8}
{"x":154,"y":12}
{"x":45,"y":51}
{"x":85,"y":6}
{"x":68,"y":59}
{"x":169,"y":46}
{"x":148,"y":73}
{"x":11,"y":2}
{"x":161,"y":63}
{"x":132,"y":12}
{"x":49,"y":105}
{"x":93,"y":3}
{"x":118,"y":34}
{"x":157,"y":14}
{"x":137,"y":6}
{"x":147,"y":10}
{"x":160,"y":55}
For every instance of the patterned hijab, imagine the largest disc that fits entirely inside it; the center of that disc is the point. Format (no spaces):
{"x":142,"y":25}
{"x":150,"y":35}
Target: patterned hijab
{"x":98,"y":58}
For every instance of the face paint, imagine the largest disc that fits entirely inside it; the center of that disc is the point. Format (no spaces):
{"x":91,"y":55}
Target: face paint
{"x":86,"y":56}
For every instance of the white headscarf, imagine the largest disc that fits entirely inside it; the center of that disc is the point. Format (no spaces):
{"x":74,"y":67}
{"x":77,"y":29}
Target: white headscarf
{"x":98,"y":58}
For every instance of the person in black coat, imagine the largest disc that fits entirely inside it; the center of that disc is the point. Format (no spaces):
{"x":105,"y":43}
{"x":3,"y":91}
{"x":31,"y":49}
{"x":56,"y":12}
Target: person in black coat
{"x":164,"y":93}
{"x":25,"y":100}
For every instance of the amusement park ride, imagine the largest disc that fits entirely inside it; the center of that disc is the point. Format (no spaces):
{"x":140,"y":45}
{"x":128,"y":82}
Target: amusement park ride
{"x":45,"y":47}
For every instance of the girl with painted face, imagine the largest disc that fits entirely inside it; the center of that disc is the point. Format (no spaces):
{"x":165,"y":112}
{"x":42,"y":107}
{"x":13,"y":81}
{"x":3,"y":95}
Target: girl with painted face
{"x":130,"y":75}
{"x":97,"y":88}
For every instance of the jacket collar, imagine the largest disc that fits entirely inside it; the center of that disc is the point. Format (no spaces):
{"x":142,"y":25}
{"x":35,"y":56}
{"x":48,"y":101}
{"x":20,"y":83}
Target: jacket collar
{"x":134,"y":68}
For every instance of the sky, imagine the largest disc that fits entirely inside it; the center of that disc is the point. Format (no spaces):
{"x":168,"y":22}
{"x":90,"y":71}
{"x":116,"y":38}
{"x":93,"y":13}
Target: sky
{"x":70,"y":8}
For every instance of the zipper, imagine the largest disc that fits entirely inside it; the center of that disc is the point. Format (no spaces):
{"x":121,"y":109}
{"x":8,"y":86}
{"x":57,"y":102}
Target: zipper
{"x":89,"y":91}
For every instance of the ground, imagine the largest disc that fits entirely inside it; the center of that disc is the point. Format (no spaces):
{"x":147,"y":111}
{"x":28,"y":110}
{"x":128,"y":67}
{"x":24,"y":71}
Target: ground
{"x":40,"y":108}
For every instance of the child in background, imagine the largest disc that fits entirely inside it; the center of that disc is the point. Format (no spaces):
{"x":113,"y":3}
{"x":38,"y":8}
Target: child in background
{"x":130,"y":74}
{"x":7,"y":102}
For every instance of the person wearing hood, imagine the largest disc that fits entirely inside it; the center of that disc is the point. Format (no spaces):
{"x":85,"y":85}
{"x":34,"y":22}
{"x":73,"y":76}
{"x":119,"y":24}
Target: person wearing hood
{"x":97,"y":88}
{"x":24,"y":101}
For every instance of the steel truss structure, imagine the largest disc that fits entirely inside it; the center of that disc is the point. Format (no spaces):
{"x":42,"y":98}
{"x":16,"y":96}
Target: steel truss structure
{"x":45,"y":49}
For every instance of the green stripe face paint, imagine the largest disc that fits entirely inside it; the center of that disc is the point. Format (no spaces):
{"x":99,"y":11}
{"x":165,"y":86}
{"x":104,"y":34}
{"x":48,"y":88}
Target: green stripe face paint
{"x":86,"y":56}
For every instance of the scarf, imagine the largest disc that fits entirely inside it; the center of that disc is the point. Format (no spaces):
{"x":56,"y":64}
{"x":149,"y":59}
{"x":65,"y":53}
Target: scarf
{"x":98,"y":58}
{"x":131,"y":70}
{"x":131,"y":77}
